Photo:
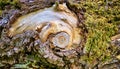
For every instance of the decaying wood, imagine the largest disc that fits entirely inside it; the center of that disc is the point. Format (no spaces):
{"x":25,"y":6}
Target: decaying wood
{"x":56,"y":34}
{"x":52,"y":33}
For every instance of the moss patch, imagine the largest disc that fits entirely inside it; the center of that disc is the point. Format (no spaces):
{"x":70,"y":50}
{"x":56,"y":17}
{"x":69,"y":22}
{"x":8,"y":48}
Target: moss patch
{"x":4,"y":4}
{"x":102,"y":18}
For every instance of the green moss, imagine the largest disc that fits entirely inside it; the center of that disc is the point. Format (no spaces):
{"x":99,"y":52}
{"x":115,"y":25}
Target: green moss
{"x":0,"y":12}
{"x":14,"y":3}
{"x":102,"y":18}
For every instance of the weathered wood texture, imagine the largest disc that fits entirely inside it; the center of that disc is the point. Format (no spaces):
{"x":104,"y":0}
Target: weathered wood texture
{"x":40,"y":35}
{"x":52,"y":34}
